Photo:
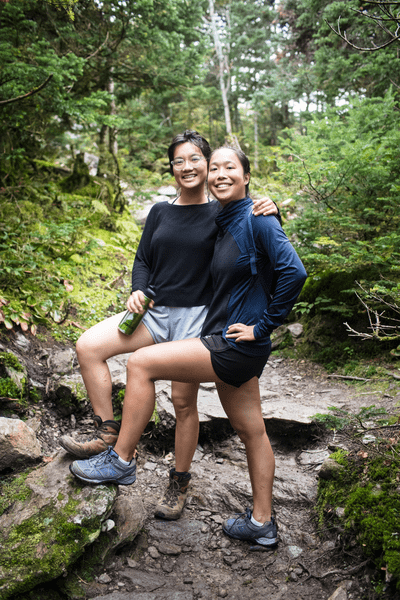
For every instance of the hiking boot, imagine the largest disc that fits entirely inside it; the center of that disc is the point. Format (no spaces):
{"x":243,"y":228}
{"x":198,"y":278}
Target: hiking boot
{"x":174,"y":499}
{"x":105,"y":435}
{"x":104,"y":468}
{"x":240,"y":527}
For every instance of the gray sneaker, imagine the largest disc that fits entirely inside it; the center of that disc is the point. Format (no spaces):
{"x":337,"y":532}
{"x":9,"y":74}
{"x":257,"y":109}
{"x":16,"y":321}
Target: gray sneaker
{"x":171,"y":505}
{"x":104,"y":435}
{"x":104,"y":468}
{"x":240,"y":527}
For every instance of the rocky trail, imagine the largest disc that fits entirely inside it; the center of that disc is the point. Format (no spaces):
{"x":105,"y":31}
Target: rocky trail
{"x":139,"y":557}
{"x":192,"y":559}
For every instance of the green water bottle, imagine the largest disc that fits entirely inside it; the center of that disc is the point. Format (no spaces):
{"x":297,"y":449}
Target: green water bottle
{"x":131,"y":320}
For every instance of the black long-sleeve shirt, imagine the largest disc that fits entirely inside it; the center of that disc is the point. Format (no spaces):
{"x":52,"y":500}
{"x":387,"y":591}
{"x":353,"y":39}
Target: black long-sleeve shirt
{"x":175,"y":253}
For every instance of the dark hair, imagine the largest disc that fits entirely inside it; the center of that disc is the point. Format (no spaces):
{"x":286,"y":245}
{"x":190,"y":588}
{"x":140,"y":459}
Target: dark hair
{"x":244,"y":161}
{"x":193,"y":138}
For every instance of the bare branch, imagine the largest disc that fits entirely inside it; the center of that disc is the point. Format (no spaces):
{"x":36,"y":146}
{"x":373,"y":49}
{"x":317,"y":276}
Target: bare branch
{"x":344,"y":37}
{"x":99,"y":48}
{"x":380,"y":331}
{"x":34,"y":91}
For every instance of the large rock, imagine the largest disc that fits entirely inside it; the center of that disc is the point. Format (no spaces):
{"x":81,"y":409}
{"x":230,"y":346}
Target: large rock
{"x":126,"y":521}
{"x":18,"y":443}
{"x":61,"y":361}
{"x":47,"y":520}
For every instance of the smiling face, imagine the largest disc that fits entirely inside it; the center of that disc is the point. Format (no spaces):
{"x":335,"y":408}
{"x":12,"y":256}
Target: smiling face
{"x":226,"y":178}
{"x":190,"y":175}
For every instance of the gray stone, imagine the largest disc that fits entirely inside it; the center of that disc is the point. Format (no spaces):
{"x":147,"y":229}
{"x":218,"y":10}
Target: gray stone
{"x":169,"y":549}
{"x":21,"y":341}
{"x":17,"y":377}
{"x":167,"y":190}
{"x":92,"y":162}
{"x":182,"y":532}
{"x":150,"y":466}
{"x":286,"y":412}
{"x":339,"y":594}
{"x":296,"y":329}
{"x":295,"y":551}
{"x":18,"y":443}
{"x":197,"y":456}
{"x":129,"y":515}
{"x":67,"y":392}
{"x":147,"y":581}
{"x":160,"y":198}
{"x":133,"y":564}
{"x":61,"y":361}
{"x":330,"y":469}
{"x":313,"y":457}
{"x":48,"y":525}
{"x":153,"y":552}
{"x":37,"y":384}
{"x":142,"y":214}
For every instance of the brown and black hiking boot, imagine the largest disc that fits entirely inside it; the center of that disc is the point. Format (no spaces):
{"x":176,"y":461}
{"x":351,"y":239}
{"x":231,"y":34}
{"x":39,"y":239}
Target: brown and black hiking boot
{"x":105,"y":434}
{"x":171,"y":505}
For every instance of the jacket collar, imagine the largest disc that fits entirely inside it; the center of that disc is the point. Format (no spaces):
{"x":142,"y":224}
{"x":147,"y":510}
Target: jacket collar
{"x":233,"y":210}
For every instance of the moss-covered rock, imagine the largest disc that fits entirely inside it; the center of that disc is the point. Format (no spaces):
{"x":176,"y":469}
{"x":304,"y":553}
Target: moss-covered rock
{"x":48,"y":521}
{"x":365,"y":485}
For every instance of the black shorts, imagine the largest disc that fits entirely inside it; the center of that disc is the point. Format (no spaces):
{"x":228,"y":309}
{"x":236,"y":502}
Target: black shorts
{"x":232,"y":366}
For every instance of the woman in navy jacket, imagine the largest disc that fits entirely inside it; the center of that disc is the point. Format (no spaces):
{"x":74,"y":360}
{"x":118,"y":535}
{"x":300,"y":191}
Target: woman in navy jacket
{"x":257,"y":277}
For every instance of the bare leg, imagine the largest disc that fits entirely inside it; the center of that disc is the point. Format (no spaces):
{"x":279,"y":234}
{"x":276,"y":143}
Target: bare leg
{"x":187,"y":361}
{"x":94,"y":347}
{"x":243,"y":407}
{"x":184,"y":398}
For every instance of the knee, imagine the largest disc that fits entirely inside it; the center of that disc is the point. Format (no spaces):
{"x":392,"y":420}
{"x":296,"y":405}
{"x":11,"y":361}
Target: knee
{"x":249,"y":432}
{"x":137,"y":364}
{"x":84,"y":347}
{"x":184,"y":407}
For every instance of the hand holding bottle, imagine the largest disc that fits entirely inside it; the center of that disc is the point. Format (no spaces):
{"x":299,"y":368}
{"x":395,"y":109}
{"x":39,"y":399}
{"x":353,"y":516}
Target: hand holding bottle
{"x":136,"y":301}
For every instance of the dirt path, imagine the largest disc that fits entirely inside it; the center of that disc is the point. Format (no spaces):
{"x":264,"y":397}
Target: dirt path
{"x":192,"y":559}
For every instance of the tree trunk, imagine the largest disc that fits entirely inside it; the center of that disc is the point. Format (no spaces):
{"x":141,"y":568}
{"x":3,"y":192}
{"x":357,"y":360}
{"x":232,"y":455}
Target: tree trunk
{"x":119,"y":200}
{"x":222,"y":65}
{"x":255,"y":140}
{"x":102,"y":150}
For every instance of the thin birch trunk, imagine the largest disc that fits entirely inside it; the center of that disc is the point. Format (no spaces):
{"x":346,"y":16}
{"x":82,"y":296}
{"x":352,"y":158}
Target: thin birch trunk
{"x":221,"y":66}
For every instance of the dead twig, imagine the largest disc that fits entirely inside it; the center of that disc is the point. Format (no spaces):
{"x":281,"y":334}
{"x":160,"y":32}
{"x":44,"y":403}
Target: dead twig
{"x":270,"y":580}
{"x":338,"y":572}
{"x":348,"y":377}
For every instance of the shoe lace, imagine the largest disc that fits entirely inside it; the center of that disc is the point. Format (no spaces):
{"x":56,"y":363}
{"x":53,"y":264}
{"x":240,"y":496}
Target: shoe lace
{"x":102,"y":457}
{"x":172,"y":491}
{"x":240,"y":516}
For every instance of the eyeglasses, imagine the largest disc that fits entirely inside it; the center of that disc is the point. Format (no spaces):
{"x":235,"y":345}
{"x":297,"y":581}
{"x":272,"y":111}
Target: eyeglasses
{"x":193,"y":161}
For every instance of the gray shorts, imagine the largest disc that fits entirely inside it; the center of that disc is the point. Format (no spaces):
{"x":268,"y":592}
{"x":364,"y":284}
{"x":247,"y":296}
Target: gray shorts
{"x":170,"y":323}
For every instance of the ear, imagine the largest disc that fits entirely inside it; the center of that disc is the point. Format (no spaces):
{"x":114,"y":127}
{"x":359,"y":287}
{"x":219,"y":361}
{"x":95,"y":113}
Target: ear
{"x":246,"y":178}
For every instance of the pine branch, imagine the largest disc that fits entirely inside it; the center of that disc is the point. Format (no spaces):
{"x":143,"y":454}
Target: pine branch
{"x":34,"y":91}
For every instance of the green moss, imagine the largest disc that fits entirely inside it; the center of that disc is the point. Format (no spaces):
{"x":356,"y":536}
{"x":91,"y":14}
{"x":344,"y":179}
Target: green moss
{"x":340,"y":456}
{"x":34,"y":395}
{"x":9,"y":389}
{"x":40,"y":548}
{"x":13,"y":491}
{"x":367,"y":488}
{"x":8,"y":359}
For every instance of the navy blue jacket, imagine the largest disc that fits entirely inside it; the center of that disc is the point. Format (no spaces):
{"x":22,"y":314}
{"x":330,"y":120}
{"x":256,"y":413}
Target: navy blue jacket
{"x":263,"y":298}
